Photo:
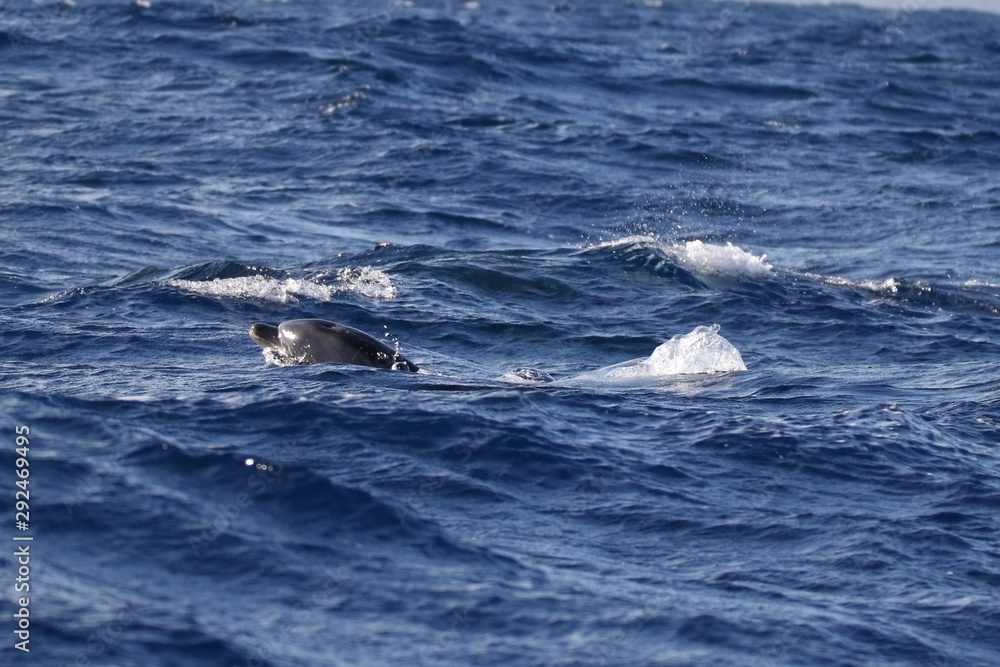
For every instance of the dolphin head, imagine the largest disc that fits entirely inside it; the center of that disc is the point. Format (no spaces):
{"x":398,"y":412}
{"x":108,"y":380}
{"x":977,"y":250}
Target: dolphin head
{"x":318,"y":341}
{"x":270,"y":339}
{"x":288,"y":340}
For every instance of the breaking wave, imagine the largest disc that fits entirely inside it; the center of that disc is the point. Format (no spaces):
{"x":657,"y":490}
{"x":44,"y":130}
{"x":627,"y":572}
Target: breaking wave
{"x":365,"y":281}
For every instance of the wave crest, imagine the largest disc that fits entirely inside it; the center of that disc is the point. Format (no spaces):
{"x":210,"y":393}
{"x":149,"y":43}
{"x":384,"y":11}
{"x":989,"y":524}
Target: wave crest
{"x":695,"y":261}
{"x":705,"y":258}
{"x":365,"y":281}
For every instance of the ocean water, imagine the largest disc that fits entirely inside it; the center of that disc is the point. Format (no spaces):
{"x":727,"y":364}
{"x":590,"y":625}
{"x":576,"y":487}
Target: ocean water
{"x":756,"y":247}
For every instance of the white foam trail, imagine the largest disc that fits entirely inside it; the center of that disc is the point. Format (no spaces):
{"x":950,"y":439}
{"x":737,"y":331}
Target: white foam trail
{"x":887,"y":286}
{"x":365,"y":281}
{"x":699,"y":352}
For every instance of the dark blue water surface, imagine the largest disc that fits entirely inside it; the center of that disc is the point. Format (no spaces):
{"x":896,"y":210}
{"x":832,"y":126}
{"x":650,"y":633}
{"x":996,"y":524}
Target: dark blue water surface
{"x":562,"y":186}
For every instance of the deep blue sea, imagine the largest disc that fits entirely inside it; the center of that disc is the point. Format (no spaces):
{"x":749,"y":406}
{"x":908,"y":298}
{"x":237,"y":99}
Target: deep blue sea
{"x":756,"y":246}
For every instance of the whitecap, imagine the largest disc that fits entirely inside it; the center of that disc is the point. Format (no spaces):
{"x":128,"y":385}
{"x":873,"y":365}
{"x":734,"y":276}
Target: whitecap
{"x":707,"y":259}
{"x":365,"y":281}
{"x":257,"y":287}
{"x":704,"y":260}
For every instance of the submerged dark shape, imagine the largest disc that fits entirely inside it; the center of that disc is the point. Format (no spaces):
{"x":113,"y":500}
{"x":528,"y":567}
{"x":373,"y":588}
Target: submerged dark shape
{"x":320,"y":341}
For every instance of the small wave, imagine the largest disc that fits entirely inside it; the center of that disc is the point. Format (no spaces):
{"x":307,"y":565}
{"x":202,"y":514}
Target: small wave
{"x":705,"y":263}
{"x":365,"y":281}
{"x":970,"y":297}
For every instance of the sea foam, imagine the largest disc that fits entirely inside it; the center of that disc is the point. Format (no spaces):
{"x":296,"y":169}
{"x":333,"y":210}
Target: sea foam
{"x":365,"y":281}
{"x":729,"y":260}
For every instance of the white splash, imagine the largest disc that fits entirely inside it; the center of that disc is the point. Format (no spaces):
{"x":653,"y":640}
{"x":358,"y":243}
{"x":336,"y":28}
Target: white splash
{"x":699,"y":352}
{"x":708,"y":259}
{"x":365,"y":281}
{"x":272,"y":358}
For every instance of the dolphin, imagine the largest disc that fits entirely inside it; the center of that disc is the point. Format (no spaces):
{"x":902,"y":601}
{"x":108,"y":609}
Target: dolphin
{"x":319,"y":341}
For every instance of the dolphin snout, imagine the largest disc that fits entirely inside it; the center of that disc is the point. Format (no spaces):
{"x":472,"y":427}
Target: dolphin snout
{"x":264,"y":334}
